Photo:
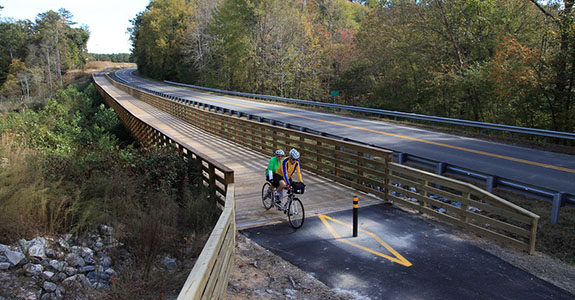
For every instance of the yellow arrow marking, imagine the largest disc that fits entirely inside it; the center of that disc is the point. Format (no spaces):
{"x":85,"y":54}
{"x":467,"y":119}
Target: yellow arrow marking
{"x":397,"y":259}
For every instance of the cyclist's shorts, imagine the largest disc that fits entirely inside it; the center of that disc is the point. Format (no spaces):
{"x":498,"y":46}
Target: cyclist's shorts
{"x":276,"y":180}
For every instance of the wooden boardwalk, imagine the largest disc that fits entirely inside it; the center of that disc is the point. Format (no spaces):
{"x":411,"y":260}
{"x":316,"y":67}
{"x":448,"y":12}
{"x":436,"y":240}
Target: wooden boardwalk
{"x":322,"y":195}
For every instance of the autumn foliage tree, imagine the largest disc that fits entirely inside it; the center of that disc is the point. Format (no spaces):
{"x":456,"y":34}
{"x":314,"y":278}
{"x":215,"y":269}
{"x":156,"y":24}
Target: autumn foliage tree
{"x":500,"y":61}
{"x":159,"y":37}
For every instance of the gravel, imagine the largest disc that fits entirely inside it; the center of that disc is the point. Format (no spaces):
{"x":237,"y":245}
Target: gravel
{"x":259,"y":274}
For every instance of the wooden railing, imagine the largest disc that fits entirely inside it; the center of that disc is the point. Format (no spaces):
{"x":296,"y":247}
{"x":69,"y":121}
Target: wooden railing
{"x":209,"y":277}
{"x":465,"y":205}
{"x":368,"y":169}
{"x":361,"y":167}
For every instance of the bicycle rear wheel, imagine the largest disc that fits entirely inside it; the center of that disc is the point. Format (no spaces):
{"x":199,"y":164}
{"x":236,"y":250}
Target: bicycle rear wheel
{"x":296,"y":213}
{"x":267,"y":195}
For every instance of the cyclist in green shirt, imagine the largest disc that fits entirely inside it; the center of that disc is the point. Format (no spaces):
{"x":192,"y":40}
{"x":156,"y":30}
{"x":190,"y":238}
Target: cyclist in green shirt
{"x":272,"y":167}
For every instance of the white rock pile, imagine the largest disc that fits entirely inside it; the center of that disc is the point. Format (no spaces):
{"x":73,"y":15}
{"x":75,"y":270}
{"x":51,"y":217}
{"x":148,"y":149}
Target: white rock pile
{"x":52,"y":268}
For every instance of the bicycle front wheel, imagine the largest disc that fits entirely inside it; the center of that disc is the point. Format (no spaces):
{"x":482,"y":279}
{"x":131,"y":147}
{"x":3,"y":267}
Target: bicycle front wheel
{"x":296,"y":214}
{"x":267,"y":195}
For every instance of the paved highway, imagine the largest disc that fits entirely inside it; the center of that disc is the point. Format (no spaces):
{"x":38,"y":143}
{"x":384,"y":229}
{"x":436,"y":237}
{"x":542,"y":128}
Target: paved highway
{"x":539,"y":168}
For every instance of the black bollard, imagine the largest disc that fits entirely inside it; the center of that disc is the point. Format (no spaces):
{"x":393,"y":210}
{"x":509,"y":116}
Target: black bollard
{"x":355,"y":207}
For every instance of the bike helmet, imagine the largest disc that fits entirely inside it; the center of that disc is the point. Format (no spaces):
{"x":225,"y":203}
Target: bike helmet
{"x":280,"y":152}
{"x":294,"y":154}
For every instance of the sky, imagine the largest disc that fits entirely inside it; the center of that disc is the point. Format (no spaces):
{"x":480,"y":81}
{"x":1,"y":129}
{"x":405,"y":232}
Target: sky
{"x":107,"y":20}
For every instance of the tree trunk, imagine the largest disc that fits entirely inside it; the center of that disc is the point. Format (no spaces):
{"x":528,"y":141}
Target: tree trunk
{"x":49,"y":67}
{"x":58,"y":63}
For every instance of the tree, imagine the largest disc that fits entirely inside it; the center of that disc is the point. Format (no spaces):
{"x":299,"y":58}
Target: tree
{"x":159,"y":37}
{"x":557,"y":71}
{"x":266,"y":46}
{"x":13,"y":45}
{"x":231,"y":44}
{"x":52,"y":27}
{"x":114,"y":57}
{"x":200,"y":40}
{"x":435,"y":57}
{"x":36,"y":55}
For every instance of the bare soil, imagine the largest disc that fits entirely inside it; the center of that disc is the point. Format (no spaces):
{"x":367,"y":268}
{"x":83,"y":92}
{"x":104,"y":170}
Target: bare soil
{"x":259,"y":274}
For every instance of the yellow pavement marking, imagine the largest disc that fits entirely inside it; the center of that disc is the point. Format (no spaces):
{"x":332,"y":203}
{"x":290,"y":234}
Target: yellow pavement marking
{"x":397,"y":259}
{"x":399,"y":136}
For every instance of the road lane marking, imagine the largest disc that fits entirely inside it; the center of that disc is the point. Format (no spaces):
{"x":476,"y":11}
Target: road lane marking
{"x":402,"y":136}
{"x":397,"y":259}
{"x":504,"y":157}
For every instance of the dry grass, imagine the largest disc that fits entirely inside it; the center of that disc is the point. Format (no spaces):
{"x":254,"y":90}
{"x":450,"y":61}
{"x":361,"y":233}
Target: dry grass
{"x":95,"y":66}
{"x":81,"y":77}
{"x":28,"y":204}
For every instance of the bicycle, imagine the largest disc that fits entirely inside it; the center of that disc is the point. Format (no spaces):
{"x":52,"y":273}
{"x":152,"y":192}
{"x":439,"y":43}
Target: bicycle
{"x":293,"y":207}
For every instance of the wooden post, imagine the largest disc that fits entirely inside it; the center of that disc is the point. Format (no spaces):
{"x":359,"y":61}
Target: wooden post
{"x":533,"y":238}
{"x":212,"y":179}
{"x":422,"y":203}
{"x":386,"y":180}
{"x":229,"y":177}
{"x":360,"y":156}
{"x":465,"y":209}
{"x":336,"y":165}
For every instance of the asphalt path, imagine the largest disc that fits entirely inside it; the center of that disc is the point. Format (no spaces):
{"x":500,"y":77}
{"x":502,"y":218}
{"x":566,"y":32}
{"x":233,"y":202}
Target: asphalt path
{"x":539,"y":168}
{"x":398,"y":255}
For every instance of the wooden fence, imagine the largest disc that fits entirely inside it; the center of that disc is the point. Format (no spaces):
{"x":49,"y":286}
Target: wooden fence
{"x":370,"y":170}
{"x":465,"y":205}
{"x":209,"y":277}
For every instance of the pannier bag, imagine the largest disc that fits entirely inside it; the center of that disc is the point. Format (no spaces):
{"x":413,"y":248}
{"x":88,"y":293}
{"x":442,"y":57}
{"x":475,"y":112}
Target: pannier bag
{"x":298,"y":187}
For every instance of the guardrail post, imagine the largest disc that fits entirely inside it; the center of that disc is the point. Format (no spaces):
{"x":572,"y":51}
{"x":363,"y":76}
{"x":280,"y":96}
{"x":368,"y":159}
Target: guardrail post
{"x":401,"y":158}
{"x":491,"y":183}
{"x":440,"y":168}
{"x":558,"y":202}
{"x":439,"y":171}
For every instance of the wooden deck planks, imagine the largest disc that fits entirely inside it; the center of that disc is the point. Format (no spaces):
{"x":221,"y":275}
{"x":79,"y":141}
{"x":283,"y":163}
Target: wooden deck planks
{"x":322,"y":195}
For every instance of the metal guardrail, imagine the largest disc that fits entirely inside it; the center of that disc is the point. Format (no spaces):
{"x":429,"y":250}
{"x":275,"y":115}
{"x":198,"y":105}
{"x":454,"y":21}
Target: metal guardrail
{"x":396,"y":114}
{"x":557,"y":198}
